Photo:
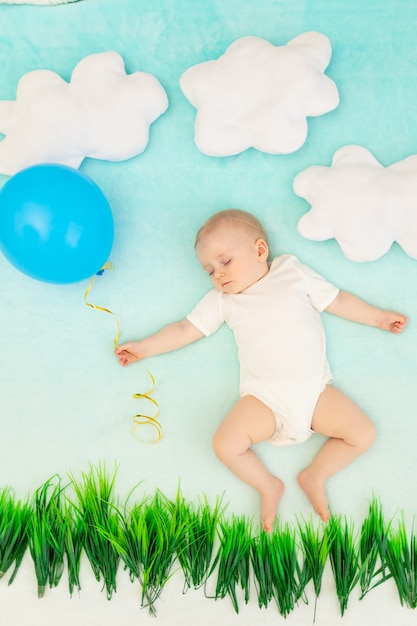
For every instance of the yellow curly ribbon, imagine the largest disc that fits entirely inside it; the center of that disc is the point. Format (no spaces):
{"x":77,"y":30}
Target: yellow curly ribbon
{"x":147,"y":420}
{"x":107,"y":266}
{"x":139,"y":419}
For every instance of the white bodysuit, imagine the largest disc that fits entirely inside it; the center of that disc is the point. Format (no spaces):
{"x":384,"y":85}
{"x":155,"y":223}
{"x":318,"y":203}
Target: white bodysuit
{"x":280,"y":338}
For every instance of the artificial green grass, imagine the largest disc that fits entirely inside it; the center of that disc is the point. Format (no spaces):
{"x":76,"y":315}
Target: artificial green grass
{"x":276,"y":568}
{"x":97,"y":508}
{"x":195,"y":548}
{"x":14,"y":526}
{"x":232,"y":562}
{"x":230,"y":556}
{"x":46,"y":534}
{"x":401,"y":558}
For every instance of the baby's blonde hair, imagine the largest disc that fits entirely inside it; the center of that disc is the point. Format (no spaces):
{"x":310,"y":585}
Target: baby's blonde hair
{"x":234,"y":217}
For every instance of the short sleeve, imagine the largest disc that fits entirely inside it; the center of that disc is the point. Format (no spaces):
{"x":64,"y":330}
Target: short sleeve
{"x":208,"y":315}
{"x":320,"y":291}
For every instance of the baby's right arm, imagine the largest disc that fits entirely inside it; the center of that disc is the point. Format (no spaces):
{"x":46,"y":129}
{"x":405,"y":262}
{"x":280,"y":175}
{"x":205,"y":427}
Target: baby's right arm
{"x":169,"y":338}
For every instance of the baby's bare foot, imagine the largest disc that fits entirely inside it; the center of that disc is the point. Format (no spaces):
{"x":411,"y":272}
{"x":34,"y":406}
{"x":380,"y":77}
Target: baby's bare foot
{"x":315,"y":492}
{"x":269,"y":503}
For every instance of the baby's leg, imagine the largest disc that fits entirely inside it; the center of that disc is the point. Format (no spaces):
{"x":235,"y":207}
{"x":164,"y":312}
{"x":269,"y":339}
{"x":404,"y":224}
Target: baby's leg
{"x":250,"y":422}
{"x":350,"y":433}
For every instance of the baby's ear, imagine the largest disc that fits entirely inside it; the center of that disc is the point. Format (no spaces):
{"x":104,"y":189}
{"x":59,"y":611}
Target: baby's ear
{"x":262,"y":250}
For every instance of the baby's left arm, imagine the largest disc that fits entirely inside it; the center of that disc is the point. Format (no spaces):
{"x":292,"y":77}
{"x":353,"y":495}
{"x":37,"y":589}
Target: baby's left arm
{"x":352,"y":308}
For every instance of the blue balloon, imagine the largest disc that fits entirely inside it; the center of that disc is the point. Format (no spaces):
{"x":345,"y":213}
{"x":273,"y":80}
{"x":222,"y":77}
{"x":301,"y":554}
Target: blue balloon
{"x":55,"y":224}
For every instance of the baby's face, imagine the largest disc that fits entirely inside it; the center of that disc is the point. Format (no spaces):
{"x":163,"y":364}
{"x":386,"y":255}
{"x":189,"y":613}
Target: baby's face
{"x":232,"y":258}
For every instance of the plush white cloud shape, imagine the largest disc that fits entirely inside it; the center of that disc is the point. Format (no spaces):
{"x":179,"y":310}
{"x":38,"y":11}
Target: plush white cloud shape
{"x":361,"y":204}
{"x":102,"y":113}
{"x":259,"y":95}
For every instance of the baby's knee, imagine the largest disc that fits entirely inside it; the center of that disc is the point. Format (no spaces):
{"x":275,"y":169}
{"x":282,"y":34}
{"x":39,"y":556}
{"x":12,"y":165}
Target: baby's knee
{"x":220,"y":443}
{"x":228,"y":442}
{"x":368,"y":435}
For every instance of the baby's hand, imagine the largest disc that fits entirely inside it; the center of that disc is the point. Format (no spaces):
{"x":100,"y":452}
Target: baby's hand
{"x":393,"y":322}
{"x":128,"y":353}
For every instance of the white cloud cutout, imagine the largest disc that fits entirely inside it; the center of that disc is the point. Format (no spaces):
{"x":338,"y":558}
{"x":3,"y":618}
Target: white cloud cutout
{"x":361,"y":204}
{"x":102,"y":113}
{"x":259,"y":95}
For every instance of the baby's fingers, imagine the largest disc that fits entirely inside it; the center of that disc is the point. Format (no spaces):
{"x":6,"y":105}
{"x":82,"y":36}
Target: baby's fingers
{"x":399,"y":324}
{"x":127,"y":353}
{"x":125,"y":358}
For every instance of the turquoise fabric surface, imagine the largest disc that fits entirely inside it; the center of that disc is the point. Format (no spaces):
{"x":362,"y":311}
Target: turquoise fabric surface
{"x":65,"y":401}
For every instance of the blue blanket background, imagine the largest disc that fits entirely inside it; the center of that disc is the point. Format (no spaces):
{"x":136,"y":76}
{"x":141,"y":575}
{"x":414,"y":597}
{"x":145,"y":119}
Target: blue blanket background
{"x":65,"y":401}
